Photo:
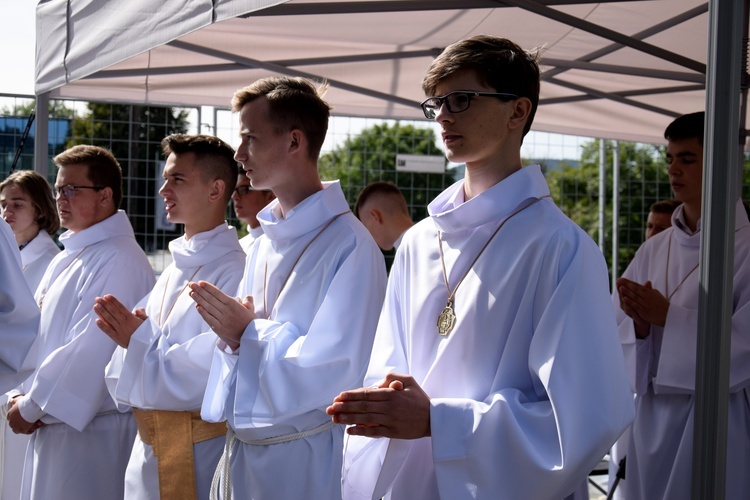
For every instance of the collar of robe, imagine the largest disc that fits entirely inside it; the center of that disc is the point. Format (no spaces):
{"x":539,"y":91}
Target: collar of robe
{"x":114,"y":226}
{"x":204,"y":247}
{"x":494,"y":204}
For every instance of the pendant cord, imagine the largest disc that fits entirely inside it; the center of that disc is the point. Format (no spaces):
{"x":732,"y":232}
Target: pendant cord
{"x":452,"y":294}
{"x":163,"y":296}
{"x":289,"y":275}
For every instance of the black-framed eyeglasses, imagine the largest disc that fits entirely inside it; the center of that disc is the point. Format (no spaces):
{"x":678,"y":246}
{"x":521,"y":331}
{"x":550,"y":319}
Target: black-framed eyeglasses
{"x":458,"y":101}
{"x":243,"y":190}
{"x":69,"y":190}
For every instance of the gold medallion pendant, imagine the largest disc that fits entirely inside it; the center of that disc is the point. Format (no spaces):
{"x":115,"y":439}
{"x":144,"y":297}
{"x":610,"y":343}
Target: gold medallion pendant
{"x":446,"y":320}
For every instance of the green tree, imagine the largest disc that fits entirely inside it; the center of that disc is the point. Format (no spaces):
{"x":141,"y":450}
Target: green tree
{"x":371,"y":156}
{"x":133,"y":133}
{"x":643,"y":180}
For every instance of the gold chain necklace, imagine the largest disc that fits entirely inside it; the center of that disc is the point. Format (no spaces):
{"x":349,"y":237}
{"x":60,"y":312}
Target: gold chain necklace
{"x":163,"y":296}
{"x":447,"y":318}
{"x":265,"y":272}
{"x":52,"y":282}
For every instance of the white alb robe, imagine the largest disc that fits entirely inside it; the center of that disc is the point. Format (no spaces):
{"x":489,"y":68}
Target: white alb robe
{"x":252,"y":234}
{"x":659,"y":460}
{"x":166,"y":364}
{"x":19,"y":315}
{"x":529,"y":389}
{"x":35,"y":257}
{"x":314,"y":344}
{"x":86,"y":442}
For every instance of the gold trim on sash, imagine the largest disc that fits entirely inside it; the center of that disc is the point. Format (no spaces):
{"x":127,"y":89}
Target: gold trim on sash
{"x":172,"y":435}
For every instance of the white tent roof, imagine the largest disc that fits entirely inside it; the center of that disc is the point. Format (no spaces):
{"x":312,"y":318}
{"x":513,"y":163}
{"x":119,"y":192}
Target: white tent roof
{"x":618,"y":70}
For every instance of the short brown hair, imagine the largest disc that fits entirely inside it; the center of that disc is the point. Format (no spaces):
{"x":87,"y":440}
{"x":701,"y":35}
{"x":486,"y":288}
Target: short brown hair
{"x":497,"y":62}
{"x":382,"y":188}
{"x":665,"y":206}
{"x":294,"y":103}
{"x":103,"y":168}
{"x":214,"y":157}
{"x":40,"y":192}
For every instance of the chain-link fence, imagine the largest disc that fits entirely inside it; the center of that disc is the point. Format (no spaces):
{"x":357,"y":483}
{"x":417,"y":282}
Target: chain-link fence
{"x":357,"y":151}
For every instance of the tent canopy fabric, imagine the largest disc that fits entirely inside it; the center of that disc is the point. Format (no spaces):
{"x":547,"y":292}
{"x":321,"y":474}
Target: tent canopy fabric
{"x":618,"y":69}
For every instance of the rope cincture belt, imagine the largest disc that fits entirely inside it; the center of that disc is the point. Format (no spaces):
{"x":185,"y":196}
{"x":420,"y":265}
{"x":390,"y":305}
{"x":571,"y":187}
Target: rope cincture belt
{"x":222,"y":470}
{"x":172,"y":434}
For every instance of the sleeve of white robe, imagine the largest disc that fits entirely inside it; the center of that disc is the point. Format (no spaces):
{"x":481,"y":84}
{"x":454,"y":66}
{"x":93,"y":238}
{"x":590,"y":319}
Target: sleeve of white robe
{"x":283,"y":372}
{"x":156,"y":372}
{"x":636,"y":351}
{"x":69,"y":384}
{"x":19,"y":317}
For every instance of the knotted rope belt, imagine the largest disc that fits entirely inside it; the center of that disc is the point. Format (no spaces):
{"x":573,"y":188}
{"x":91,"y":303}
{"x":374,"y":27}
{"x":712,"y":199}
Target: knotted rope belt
{"x":172,"y":434}
{"x":222,"y":470}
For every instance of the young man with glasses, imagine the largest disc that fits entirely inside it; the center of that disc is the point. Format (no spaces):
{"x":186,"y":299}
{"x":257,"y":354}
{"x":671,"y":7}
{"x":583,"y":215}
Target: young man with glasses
{"x":247,"y":202}
{"x":80,"y":442}
{"x":160,"y":368}
{"x":496,"y":370}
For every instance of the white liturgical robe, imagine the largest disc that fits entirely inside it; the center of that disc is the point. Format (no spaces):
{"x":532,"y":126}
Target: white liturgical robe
{"x":166,"y":364}
{"x":660,"y":450}
{"x":529,"y":389}
{"x":36,"y":256}
{"x":252,"y":234}
{"x":311,"y":341}
{"x":19,"y":315}
{"x":85,"y":443}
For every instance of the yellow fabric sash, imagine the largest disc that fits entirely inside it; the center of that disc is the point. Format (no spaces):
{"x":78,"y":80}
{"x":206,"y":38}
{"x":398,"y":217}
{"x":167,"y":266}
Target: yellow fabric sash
{"x":172,"y":435}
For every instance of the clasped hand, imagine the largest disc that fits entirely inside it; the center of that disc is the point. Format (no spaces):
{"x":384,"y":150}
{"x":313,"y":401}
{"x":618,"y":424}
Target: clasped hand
{"x":227,"y":316}
{"x":116,"y":320}
{"x":397,"y":408}
{"x":644,"y":304}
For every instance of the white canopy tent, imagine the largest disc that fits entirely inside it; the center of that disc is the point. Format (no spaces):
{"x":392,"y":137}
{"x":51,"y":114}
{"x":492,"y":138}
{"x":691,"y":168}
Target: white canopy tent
{"x":612,"y":69}
{"x":620,"y":70}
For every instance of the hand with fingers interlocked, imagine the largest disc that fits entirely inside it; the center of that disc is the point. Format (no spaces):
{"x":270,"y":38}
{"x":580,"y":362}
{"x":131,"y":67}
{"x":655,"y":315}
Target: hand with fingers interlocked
{"x":397,"y":408}
{"x":227,"y":316}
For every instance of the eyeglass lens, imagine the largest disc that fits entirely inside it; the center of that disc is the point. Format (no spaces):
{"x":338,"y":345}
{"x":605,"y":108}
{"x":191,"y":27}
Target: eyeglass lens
{"x":455,"y":102}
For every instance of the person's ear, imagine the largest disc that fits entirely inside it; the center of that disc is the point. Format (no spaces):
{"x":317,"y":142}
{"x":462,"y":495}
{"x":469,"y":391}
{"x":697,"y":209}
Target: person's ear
{"x":521,"y":112}
{"x":216,"y":193}
{"x":296,"y":141}
{"x":106,"y":195}
{"x":375,"y":214}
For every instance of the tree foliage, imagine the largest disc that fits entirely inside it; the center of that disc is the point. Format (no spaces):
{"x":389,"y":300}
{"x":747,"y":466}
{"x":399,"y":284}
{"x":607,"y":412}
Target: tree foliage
{"x":643,"y":180}
{"x":371,"y":156}
{"x":133,"y":134}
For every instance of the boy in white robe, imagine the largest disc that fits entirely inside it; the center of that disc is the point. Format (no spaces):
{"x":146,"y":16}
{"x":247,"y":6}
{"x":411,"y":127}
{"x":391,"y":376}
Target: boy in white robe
{"x":496,"y":371}
{"x":19,"y":314}
{"x":29,"y":208}
{"x":657,"y":313}
{"x":81,"y":443}
{"x":247,"y":202}
{"x":161,"y":365}
{"x":313,"y":289}
{"x":382,"y":208}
